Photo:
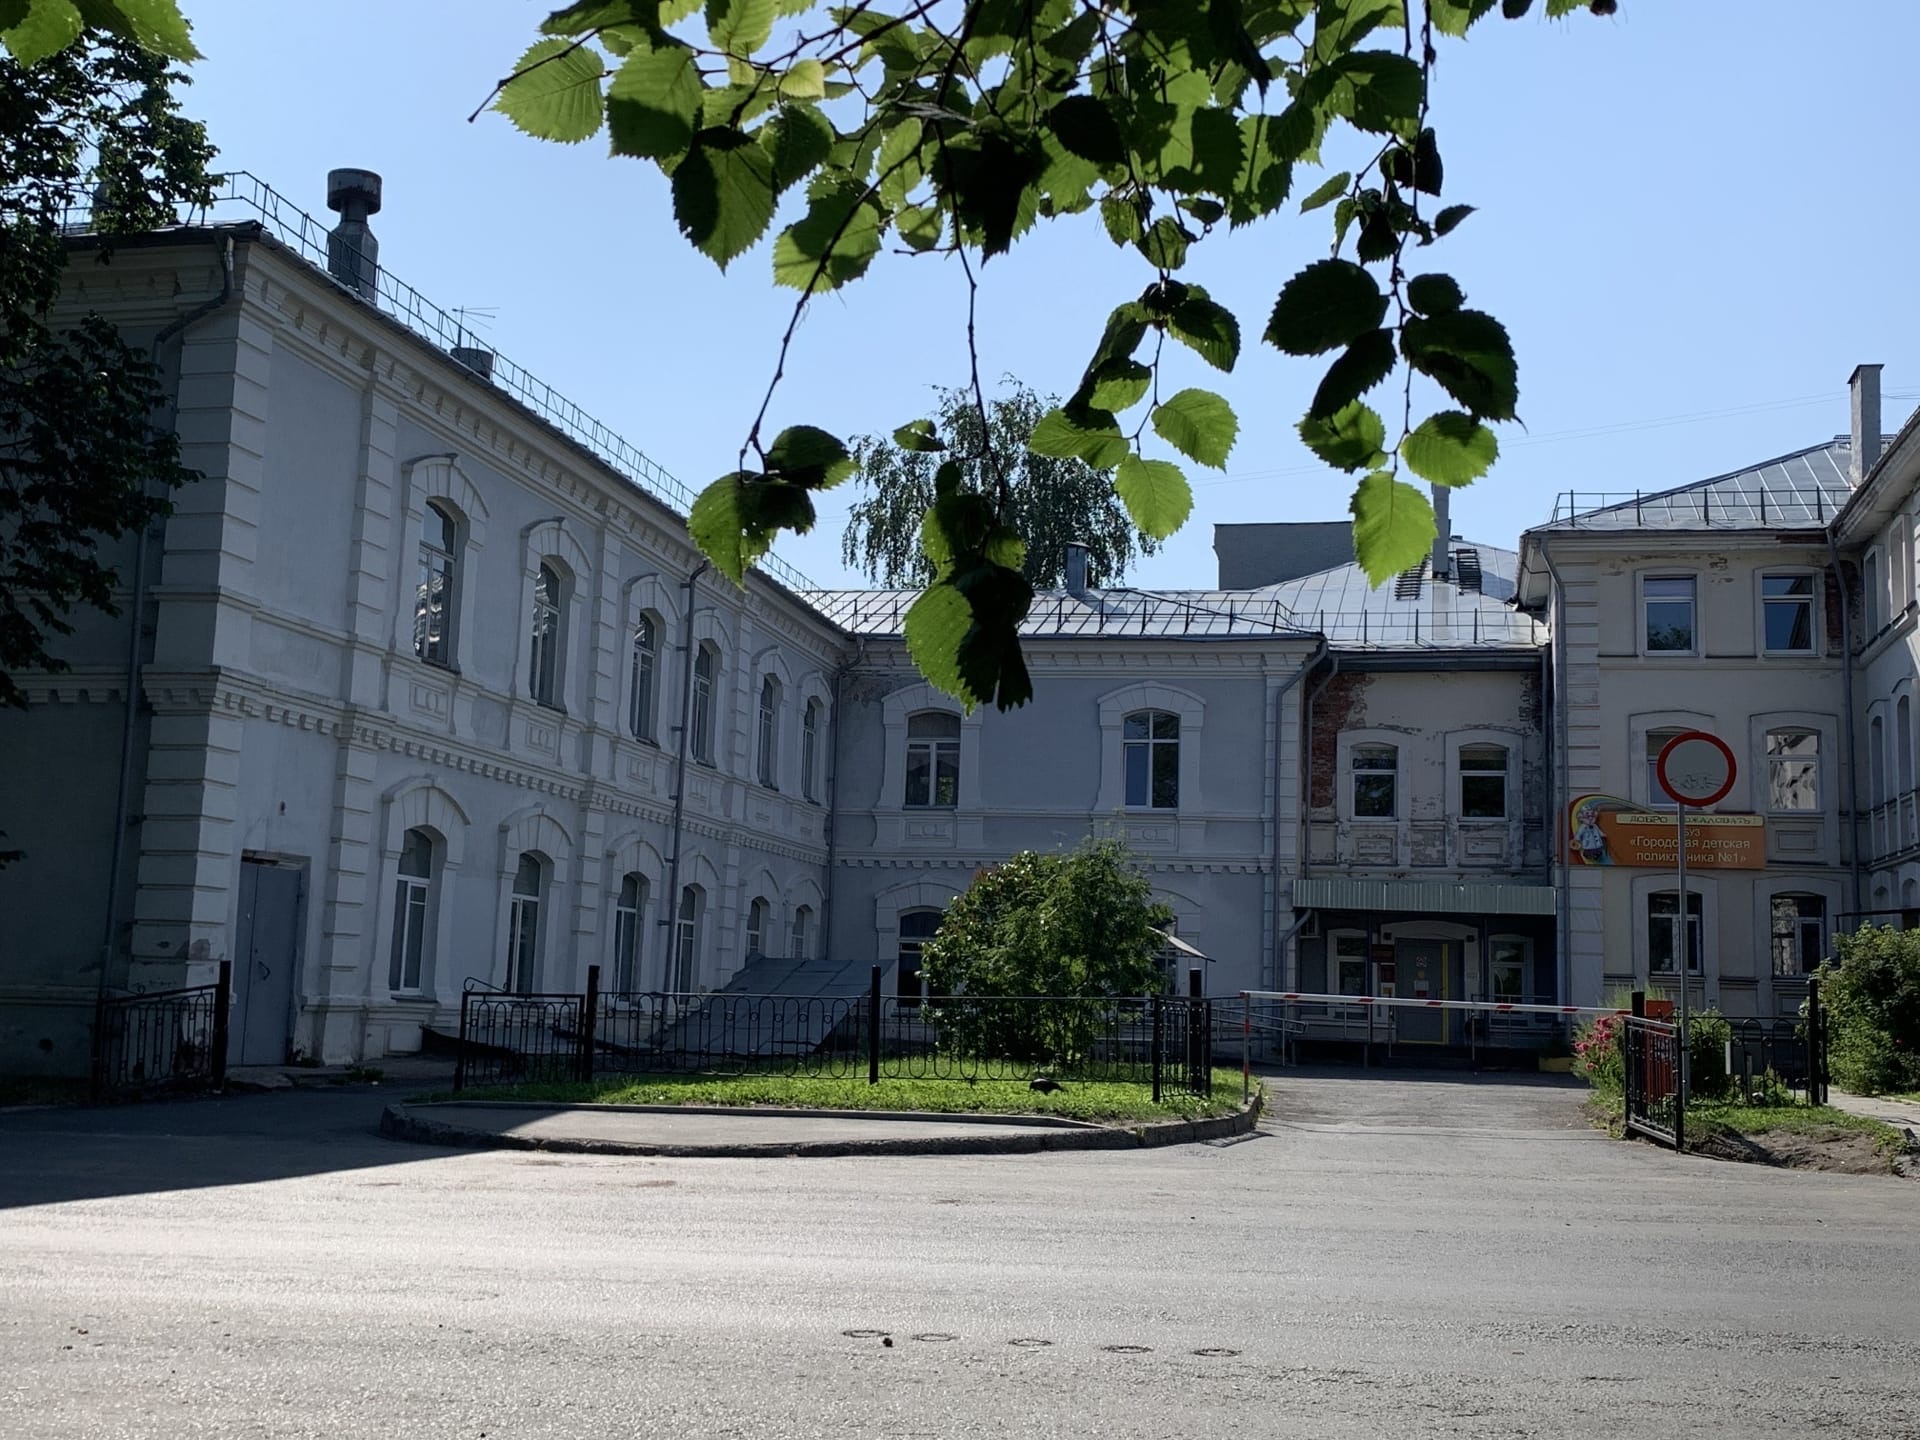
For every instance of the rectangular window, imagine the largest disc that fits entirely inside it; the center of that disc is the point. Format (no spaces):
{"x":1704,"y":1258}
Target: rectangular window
{"x":409,"y":933}
{"x":1793,"y":770}
{"x":1375,"y":782}
{"x":1799,"y":934}
{"x":1657,"y":798}
{"x":1663,"y":918}
{"x":1786,"y":603}
{"x":1150,"y":756}
{"x":1507,"y":971}
{"x":1349,"y":964}
{"x":1483,"y":782}
{"x":810,"y":749}
{"x":933,"y":761}
{"x":1667,"y":613}
{"x":543,"y":651}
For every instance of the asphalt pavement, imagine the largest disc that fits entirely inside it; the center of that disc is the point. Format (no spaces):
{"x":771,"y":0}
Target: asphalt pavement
{"x":1390,"y":1255}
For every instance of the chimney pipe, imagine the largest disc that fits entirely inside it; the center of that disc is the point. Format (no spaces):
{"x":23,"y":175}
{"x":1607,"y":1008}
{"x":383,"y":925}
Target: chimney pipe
{"x":1442,"y":534}
{"x":1864,"y":385}
{"x":1076,"y":570}
{"x":353,"y":255}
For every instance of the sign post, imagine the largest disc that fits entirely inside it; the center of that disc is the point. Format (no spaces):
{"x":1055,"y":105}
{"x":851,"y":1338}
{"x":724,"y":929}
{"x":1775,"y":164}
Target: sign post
{"x":1696,"y":769}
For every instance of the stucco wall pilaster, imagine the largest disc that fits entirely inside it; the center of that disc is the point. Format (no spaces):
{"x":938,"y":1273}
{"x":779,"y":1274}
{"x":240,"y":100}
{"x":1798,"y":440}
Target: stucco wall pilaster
{"x":183,"y":897}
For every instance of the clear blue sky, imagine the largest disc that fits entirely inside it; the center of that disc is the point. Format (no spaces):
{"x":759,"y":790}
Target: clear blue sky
{"x":1694,"y":208}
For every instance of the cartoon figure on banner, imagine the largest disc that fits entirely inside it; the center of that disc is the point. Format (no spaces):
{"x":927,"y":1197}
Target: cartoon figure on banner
{"x":1588,"y":838}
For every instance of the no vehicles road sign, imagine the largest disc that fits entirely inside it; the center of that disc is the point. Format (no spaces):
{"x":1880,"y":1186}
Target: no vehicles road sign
{"x":1696,"y":768}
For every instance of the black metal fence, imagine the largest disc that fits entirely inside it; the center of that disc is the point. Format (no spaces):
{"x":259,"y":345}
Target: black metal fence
{"x":1780,"y":1062}
{"x":1165,"y":1042}
{"x":1655,"y":1099}
{"x":161,"y":1040}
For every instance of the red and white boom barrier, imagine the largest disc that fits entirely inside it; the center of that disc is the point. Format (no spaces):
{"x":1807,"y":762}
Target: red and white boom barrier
{"x":1497,"y":1007}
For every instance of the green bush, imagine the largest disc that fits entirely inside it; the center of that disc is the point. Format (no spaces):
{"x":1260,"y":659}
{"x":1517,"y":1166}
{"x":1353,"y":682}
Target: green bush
{"x":1871,"y":990}
{"x":1707,"y":1035}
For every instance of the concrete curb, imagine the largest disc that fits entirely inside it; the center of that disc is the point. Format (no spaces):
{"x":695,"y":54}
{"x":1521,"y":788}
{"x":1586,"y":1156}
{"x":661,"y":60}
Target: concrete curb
{"x":399,"y":1122}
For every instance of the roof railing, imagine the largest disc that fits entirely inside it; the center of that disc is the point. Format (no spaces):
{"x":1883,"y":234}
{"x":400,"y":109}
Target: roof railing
{"x":1706,"y":507}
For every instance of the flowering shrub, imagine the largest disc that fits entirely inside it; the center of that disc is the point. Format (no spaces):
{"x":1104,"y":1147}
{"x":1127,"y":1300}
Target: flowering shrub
{"x":1599,"y":1053}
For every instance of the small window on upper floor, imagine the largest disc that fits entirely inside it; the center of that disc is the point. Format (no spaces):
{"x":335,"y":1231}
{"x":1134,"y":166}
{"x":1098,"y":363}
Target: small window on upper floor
{"x":1793,"y":770}
{"x":706,"y":663}
{"x":1799,"y":933}
{"x":547,"y":638}
{"x":770,"y":733}
{"x":933,"y":760}
{"x":1667,"y":613}
{"x":1150,"y":755}
{"x":641,"y":681}
{"x":810,"y":750}
{"x":1483,"y":782}
{"x":1376,"y":782}
{"x":1657,"y":796}
{"x":437,"y":590}
{"x":1786,"y":604}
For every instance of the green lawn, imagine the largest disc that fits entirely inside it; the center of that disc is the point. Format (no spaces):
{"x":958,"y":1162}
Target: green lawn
{"x":1077,"y":1100}
{"x":1705,"y":1118}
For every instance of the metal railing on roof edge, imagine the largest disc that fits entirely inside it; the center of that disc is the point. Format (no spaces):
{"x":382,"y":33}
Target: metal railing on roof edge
{"x":307,"y":237}
{"x":1707,"y":505}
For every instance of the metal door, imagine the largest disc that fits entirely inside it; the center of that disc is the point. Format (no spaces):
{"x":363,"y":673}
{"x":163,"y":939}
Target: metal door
{"x":1422,"y":969}
{"x":266,"y":959}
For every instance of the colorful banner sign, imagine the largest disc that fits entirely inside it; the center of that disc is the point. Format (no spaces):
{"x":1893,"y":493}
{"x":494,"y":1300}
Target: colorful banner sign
{"x":1606,"y":830}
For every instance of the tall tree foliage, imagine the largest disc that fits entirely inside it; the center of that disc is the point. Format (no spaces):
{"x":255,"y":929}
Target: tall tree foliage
{"x":954,"y":128}
{"x":92,"y":126}
{"x":1051,"y":500}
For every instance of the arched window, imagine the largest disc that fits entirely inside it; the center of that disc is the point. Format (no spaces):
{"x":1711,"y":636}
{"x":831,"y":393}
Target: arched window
{"x":437,"y":590}
{"x":933,"y":759}
{"x":756,"y":929}
{"x":1793,"y":770}
{"x":1799,"y":934}
{"x":1877,"y":759}
{"x":1376,"y":782}
{"x":686,"y":939}
{"x":917,"y":927}
{"x":640,"y":683}
{"x":706,"y":661}
{"x":1150,"y":758}
{"x":523,"y":922}
{"x":1657,"y":797}
{"x":412,"y":912}
{"x":770,"y":732}
{"x":810,"y":750}
{"x":1903,"y":745}
{"x":543,"y":653}
{"x":629,"y":912}
{"x":1483,"y":782}
{"x":802,"y":931}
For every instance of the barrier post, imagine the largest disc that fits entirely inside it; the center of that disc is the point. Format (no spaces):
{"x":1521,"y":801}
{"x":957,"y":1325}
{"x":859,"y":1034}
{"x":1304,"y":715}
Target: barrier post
{"x":222,"y":1018}
{"x":873,"y":1028}
{"x":589,"y":1021}
{"x":1246,"y":1048}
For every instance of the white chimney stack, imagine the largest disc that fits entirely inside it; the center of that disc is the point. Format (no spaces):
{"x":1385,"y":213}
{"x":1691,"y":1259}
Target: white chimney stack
{"x":1442,"y":534}
{"x":1864,"y":385}
{"x":1076,"y":570}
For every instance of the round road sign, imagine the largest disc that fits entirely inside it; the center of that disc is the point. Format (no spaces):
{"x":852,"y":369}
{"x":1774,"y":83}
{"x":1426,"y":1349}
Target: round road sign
{"x":1696,"y":768}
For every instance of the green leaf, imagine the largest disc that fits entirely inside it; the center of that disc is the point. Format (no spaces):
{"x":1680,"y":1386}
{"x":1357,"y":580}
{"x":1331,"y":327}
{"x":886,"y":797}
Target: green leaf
{"x":936,"y":623}
{"x":156,"y":25}
{"x":554,"y":92}
{"x":1434,"y":294}
{"x":1126,"y":328}
{"x":1455,"y":17}
{"x":1265,"y":175}
{"x":991,"y":666}
{"x":1199,"y":424}
{"x":809,"y":457}
{"x":589,"y":15}
{"x":653,"y":104}
{"x":1091,"y":435}
{"x":723,"y":193}
{"x":1328,"y":304}
{"x":1087,"y":128}
{"x":832,"y":243}
{"x":1332,"y":189}
{"x":1349,"y":439}
{"x":1450,"y":449}
{"x":920,"y":437}
{"x":1470,"y":356}
{"x":739,"y":27}
{"x":1393,"y":526}
{"x":1428,"y":173}
{"x":1156,"y":494}
{"x":1165,"y":243}
{"x":1207,"y":212}
{"x":1207,"y":328}
{"x":1367,"y":362}
{"x":717,"y":524}
{"x":48,"y":27}
{"x":804,"y":80}
{"x":898,"y":162}
{"x":1374,"y":90}
{"x":1444,"y":222}
{"x":798,"y":140}
{"x":919,"y":226}
{"x":1120,"y":385}
{"x":1122,"y":219}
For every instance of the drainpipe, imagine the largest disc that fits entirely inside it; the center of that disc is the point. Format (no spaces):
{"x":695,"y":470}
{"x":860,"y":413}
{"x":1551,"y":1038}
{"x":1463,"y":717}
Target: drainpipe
{"x":123,"y":796}
{"x":833,"y":795}
{"x":1851,"y":788}
{"x":671,"y":911}
{"x":1558,"y":797}
{"x":1270,"y":980}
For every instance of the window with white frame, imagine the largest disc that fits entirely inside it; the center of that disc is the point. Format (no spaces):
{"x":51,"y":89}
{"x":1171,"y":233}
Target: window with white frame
{"x":1786,"y":613}
{"x":1793,"y":770}
{"x":1657,"y":741}
{"x":543,"y":651}
{"x":1870,"y":598}
{"x":1483,"y":782}
{"x":917,"y":927}
{"x":1507,"y":970}
{"x":412,"y":912}
{"x":706,"y":661}
{"x":810,"y":750}
{"x":1877,"y":760}
{"x":629,"y":915}
{"x":1799,"y":934}
{"x":1348,"y":963}
{"x":933,"y":760}
{"x":641,"y":685}
{"x":770,"y":732}
{"x":686,"y":939}
{"x":1150,"y":759}
{"x":437,"y":589}
{"x":756,"y":929}
{"x":523,"y":922}
{"x":1667,"y":619}
{"x":1663,"y":930}
{"x":1375,"y":775}
{"x":802,"y":930}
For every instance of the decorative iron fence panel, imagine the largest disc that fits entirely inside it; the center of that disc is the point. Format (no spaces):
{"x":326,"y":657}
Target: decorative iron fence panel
{"x":161,"y":1040}
{"x":513,"y":1039}
{"x":1655,"y":1095}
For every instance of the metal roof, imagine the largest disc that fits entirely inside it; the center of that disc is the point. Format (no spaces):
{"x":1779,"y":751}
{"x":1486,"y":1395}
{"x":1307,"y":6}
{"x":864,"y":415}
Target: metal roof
{"x":1801,"y":491}
{"x":1119,"y":613}
{"x":1415,"y":611}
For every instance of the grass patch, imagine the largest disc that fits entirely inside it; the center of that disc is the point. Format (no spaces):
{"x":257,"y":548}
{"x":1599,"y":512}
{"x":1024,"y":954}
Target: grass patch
{"x":1075,"y":1100}
{"x":1706,"y":1119}
{"x":43,"y":1090}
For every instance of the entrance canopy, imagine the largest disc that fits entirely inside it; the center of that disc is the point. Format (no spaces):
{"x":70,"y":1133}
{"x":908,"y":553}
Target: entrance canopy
{"x":1444,"y":897}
